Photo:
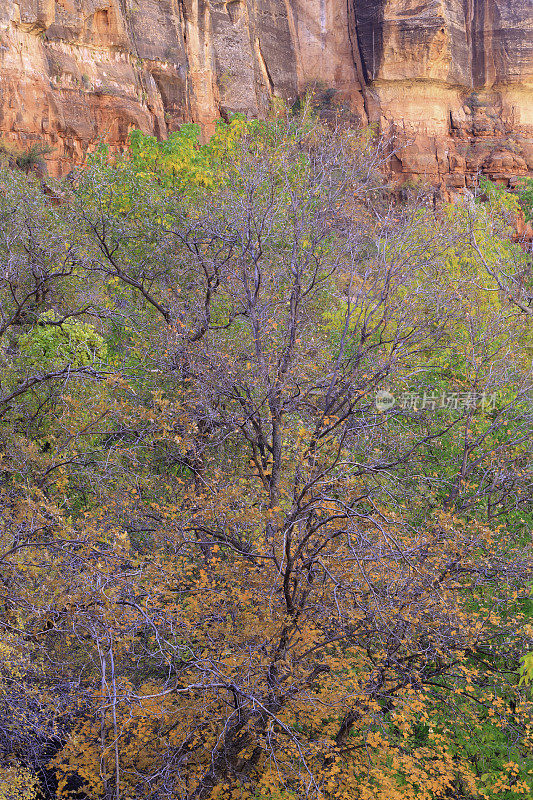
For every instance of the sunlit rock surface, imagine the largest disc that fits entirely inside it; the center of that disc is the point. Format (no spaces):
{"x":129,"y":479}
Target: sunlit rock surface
{"x":451,"y":80}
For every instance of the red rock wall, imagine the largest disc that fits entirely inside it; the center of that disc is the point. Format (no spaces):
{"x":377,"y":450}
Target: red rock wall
{"x":452,"y":80}
{"x":455,"y":78}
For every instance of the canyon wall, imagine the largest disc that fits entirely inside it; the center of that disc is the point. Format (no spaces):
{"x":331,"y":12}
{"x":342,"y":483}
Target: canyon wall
{"x":450,"y":80}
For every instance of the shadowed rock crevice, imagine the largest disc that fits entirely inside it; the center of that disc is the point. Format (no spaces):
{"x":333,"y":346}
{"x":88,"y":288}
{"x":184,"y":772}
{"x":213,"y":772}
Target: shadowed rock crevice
{"x":369,"y":24}
{"x":488,"y":46}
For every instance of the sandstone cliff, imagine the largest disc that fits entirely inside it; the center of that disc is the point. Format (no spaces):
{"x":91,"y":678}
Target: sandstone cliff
{"x":451,"y":79}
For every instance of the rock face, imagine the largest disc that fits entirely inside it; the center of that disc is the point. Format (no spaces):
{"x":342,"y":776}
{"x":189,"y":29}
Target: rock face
{"x":450,"y":80}
{"x":456,"y":77}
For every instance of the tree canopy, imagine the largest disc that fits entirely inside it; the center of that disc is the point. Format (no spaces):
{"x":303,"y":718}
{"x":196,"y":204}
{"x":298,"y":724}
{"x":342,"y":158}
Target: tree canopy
{"x":266,"y":478}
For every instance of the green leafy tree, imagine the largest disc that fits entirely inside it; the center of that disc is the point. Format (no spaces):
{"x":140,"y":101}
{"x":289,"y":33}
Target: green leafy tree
{"x":54,"y":343}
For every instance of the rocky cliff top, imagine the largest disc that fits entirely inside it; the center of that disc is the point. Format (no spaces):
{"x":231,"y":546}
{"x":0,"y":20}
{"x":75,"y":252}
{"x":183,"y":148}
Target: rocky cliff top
{"x":451,"y":79}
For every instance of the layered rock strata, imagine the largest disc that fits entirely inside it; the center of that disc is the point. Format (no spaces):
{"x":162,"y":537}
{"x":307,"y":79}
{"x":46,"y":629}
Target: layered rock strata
{"x":450,"y":80}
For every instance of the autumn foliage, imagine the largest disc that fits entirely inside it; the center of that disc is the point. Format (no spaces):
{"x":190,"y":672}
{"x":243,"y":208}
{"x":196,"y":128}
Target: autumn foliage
{"x":226,"y":571}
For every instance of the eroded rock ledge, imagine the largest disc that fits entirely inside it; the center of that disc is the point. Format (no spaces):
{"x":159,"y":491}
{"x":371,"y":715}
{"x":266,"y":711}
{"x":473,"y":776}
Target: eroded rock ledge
{"x":452,"y":79}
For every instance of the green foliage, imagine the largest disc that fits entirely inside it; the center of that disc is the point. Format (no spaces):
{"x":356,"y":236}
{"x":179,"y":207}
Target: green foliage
{"x":181,"y":160}
{"x":54,"y":343}
{"x":27,"y":160}
{"x":525,"y":196}
{"x":526,"y":669}
{"x":520,"y":197}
